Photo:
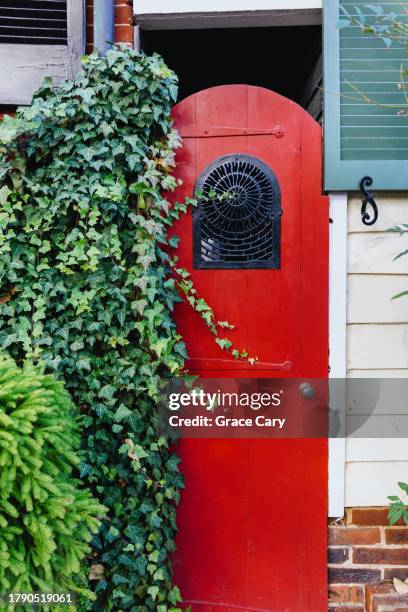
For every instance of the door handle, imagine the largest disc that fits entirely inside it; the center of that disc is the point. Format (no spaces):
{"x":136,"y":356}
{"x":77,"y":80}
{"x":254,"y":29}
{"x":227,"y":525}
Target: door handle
{"x":306,"y":390}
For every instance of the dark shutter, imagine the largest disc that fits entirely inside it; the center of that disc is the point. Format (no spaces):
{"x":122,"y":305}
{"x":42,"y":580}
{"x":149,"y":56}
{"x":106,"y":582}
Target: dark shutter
{"x":33,"y":22}
{"x":364,"y":132}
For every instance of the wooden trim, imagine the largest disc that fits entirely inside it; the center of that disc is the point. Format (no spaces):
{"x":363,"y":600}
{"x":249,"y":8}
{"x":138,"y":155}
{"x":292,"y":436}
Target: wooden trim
{"x":76,"y":35}
{"x":312,"y":96}
{"x":228,"y":19}
{"x":137,"y":38}
{"x":337,"y":345}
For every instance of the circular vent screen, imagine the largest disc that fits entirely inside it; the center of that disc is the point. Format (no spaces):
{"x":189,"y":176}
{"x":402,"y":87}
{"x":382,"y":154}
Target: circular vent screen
{"x":237,"y":222}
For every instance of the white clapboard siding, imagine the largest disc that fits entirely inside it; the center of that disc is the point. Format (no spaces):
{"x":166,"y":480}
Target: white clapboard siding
{"x":393,"y":210}
{"x":369,"y":449}
{"x":375,"y":426}
{"x":368,"y":483}
{"x":381,"y":395}
{"x":377,"y":346}
{"x":374,"y":253}
{"x":390,"y":373}
{"x":370,"y":298}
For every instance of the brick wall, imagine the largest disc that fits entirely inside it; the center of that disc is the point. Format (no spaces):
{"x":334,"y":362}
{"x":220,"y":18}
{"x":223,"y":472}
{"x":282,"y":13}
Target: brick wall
{"x":364,"y":555}
{"x":123,"y":23}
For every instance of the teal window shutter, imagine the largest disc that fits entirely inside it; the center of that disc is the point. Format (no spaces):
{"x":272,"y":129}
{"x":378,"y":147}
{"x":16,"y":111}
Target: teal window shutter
{"x":364,"y":131}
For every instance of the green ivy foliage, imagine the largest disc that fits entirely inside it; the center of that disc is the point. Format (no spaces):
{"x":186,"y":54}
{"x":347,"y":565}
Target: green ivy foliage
{"x":46,"y":517}
{"x":88,"y":287}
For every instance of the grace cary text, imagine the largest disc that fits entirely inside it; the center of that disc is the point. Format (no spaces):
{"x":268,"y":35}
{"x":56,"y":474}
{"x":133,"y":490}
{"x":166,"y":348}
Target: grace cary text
{"x":223,"y":421}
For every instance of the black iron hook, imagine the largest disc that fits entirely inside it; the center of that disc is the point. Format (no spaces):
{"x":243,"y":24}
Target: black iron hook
{"x":368,"y":197}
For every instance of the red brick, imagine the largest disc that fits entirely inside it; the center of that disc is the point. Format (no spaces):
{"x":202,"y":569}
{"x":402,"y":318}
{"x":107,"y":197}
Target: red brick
{"x":395,"y":572}
{"x":337,"y":555}
{"x":341,"y":593}
{"x":382,"y":597}
{"x":89,"y":36}
{"x":354,"y":535}
{"x":89,"y":15}
{"x":124,"y":33}
{"x":124,"y":15}
{"x":369,"y":516}
{"x":383,"y":556}
{"x":396,"y":536}
{"x":353,"y":575}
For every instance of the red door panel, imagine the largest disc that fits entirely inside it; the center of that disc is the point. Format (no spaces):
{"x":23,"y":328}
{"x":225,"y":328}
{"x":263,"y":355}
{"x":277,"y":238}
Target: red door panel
{"x":252,"y":518}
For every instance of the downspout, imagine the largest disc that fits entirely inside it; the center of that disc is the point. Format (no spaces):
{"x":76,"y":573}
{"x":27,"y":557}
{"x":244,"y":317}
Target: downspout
{"x":103,"y":30}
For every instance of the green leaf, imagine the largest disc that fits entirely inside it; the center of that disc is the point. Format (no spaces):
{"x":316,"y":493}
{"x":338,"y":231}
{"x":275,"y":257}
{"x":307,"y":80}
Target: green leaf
{"x":174,"y":595}
{"x":153,"y":590}
{"x":400,"y":255}
{"x":122,"y":412}
{"x":403,"y":486}
{"x":141,"y":565}
{"x":174,"y":241}
{"x":112,"y":534}
{"x":398,"y":295}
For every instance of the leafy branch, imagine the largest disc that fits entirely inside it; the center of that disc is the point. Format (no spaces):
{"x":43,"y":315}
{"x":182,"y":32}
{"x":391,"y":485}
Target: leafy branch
{"x":398,"y":507}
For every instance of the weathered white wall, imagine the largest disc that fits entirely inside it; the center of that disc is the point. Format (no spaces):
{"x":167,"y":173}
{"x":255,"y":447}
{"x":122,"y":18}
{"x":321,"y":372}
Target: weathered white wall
{"x":205,"y":6}
{"x":24,"y":67}
{"x":377,"y":344}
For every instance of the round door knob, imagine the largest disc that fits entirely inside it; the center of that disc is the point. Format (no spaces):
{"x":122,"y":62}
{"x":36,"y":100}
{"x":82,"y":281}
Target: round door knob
{"x":306,"y":390}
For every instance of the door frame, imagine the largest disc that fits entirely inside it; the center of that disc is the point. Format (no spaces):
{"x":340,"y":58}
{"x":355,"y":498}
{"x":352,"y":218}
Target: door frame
{"x":337,"y":348}
{"x":337,"y":345}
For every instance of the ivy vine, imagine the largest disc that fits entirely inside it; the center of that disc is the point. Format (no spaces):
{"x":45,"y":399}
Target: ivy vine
{"x":88,"y":283}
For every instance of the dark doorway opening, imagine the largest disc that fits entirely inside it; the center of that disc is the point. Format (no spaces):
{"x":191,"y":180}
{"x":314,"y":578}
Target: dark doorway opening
{"x":284,"y":59}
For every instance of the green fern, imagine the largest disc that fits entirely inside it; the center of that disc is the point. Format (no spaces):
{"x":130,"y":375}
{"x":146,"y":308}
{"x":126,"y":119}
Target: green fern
{"x":46,"y":517}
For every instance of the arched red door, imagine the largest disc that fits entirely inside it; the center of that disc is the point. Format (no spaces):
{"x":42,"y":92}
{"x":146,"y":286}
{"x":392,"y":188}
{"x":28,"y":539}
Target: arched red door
{"x":252,"y":519}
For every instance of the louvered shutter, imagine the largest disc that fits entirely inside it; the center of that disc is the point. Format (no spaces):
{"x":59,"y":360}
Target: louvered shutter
{"x":38,"y":38}
{"x":364,"y":131}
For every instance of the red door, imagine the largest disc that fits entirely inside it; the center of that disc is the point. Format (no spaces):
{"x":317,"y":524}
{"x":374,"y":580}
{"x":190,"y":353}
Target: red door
{"x":252,"y":519}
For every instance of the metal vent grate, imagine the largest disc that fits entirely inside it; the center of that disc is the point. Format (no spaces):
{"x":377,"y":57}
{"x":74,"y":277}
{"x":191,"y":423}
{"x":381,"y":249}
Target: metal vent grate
{"x":31,"y":22}
{"x":237,"y":222}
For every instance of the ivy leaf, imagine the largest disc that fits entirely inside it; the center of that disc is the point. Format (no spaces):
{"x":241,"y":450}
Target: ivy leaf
{"x":174,"y":241}
{"x":122,"y":412}
{"x":107,"y":392}
{"x":174,"y":595}
{"x":118,"y":579}
{"x":112,"y":534}
{"x":153,"y":590}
